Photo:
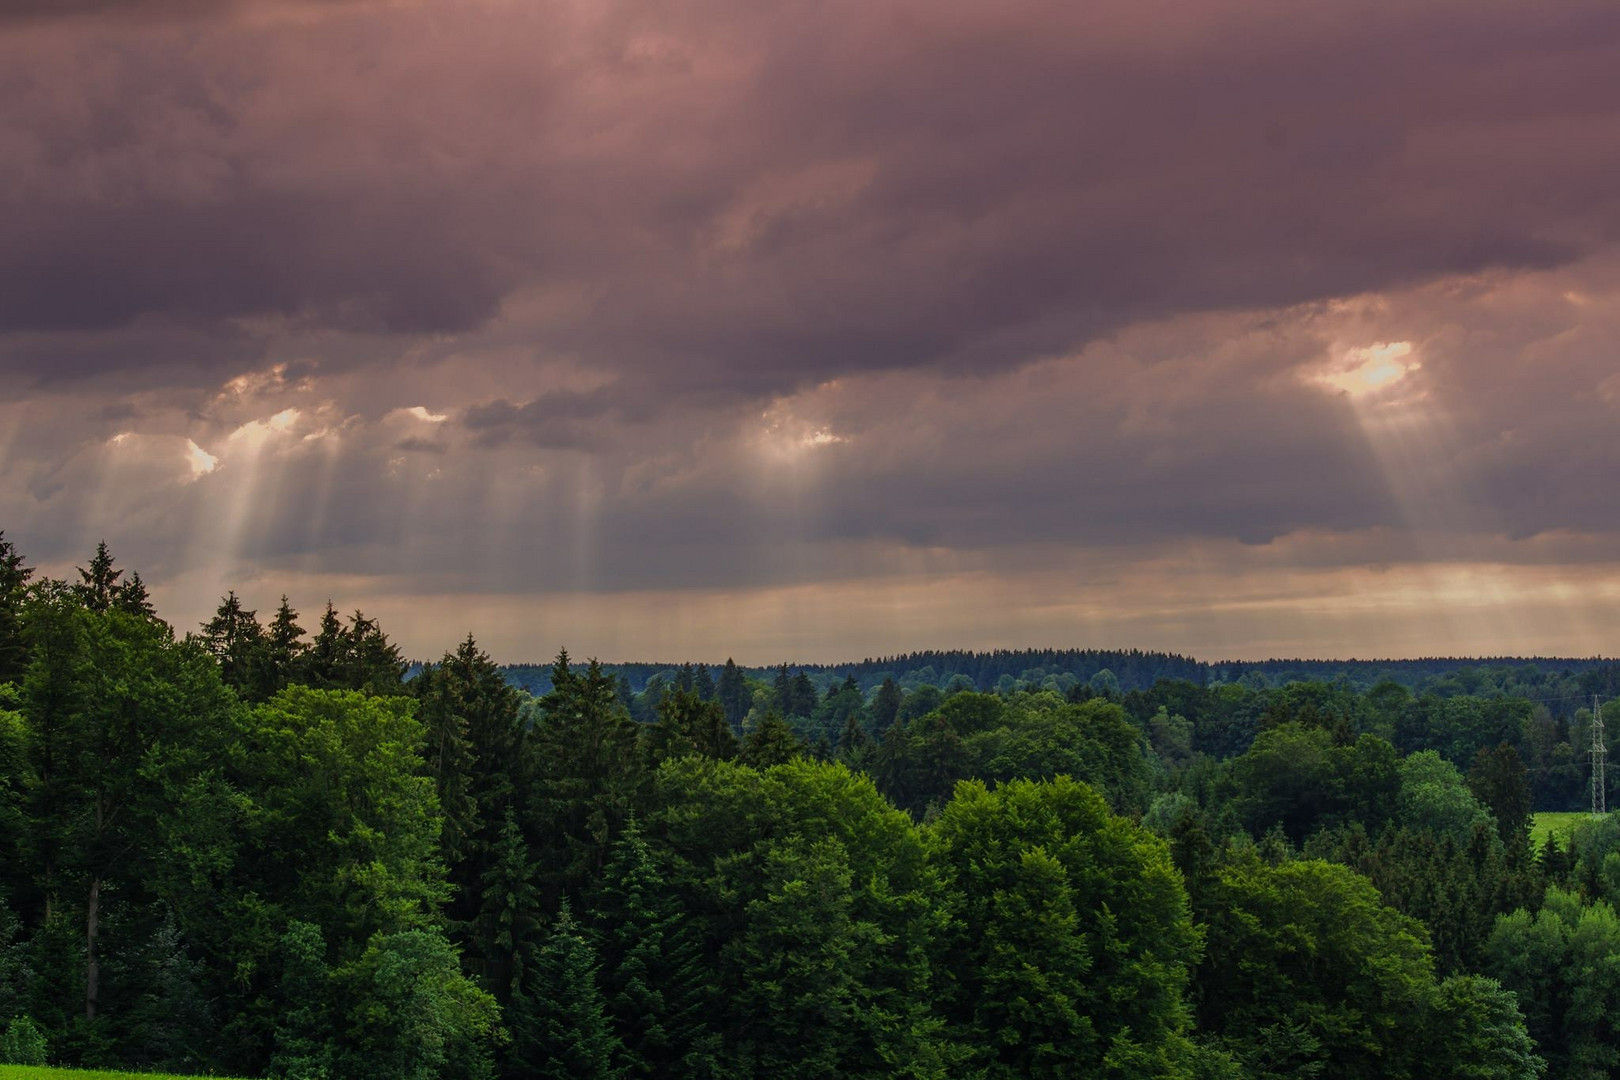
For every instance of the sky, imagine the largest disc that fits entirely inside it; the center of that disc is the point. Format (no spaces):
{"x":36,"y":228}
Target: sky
{"x":825,"y":329}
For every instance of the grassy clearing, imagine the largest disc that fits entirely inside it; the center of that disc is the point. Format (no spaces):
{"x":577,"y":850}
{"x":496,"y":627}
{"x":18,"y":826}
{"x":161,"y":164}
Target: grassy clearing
{"x":44,"y":1072}
{"x":1541,"y":826}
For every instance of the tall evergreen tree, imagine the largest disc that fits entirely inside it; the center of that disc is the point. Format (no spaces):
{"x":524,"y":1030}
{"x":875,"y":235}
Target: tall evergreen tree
{"x":98,"y":583}
{"x":236,"y":640}
{"x":14,"y":577}
{"x":886,"y":705}
{"x":559,"y":1023}
{"x":284,"y":646}
{"x":375,"y":664}
{"x":322,"y":664}
{"x":589,"y":774}
{"x":509,"y":924}
{"x":132,"y":598}
{"x":703,"y":683}
{"x":656,"y":985}
{"x":733,"y":694}
{"x":474,"y":754}
{"x":772,"y":742}
{"x":689,"y":725}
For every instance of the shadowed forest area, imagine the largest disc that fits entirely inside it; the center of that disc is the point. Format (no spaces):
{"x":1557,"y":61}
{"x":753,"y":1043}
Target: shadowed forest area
{"x":262,"y":850}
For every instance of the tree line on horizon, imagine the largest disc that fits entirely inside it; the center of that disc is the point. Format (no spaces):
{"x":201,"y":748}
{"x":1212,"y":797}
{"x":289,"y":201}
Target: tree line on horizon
{"x":256,"y":850}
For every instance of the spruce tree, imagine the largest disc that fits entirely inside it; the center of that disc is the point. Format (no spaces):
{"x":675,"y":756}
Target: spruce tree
{"x":886,"y":705}
{"x":772,"y":742}
{"x":322,"y":665}
{"x":132,"y":598}
{"x":374,"y":663}
{"x":733,"y":694}
{"x":559,"y":1025}
{"x":653,"y":974}
{"x":284,"y":646}
{"x":589,"y":773}
{"x":236,"y":640}
{"x":13,"y":591}
{"x":474,"y":754}
{"x":704,"y":683}
{"x":98,"y":584}
{"x":508,"y":928}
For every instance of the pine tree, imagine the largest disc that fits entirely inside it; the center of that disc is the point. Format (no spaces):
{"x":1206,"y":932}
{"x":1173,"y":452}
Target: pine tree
{"x":98,"y":585}
{"x":322,"y":665}
{"x":303,"y":1026}
{"x":689,"y":725}
{"x":559,"y":1024}
{"x":782,"y":692}
{"x":733,"y":694}
{"x":772,"y":742}
{"x":653,"y":973}
{"x":374,"y":663}
{"x":236,"y":640}
{"x":588,"y":773}
{"x":22,"y":1044}
{"x":474,"y":754}
{"x":854,"y":743}
{"x":449,"y":757}
{"x":704,"y":683}
{"x":13,"y":591}
{"x":284,"y":646}
{"x":131,"y":598}
{"x":886,"y":705}
{"x":508,"y":928}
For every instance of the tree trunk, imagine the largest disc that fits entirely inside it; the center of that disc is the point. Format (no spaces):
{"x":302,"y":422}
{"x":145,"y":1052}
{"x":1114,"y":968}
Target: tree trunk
{"x":92,"y":966}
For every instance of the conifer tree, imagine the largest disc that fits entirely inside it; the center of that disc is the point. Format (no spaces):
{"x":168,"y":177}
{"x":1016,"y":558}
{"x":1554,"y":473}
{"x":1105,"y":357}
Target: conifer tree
{"x":98,"y":584}
{"x":236,"y":640}
{"x":772,"y":742}
{"x":703,"y":683}
{"x":284,"y":646}
{"x":508,"y":929}
{"x":652,"y":971}
{"x":588,"y":772}
{"x":733,"y":694}
{"x":14,"y":576}
{"x":689,"y":725}
{"x":132,"y":598}
{"x":559,"y":1024}
{"x":474,"y":754}
{"x":886,"y":705}
{"x":322,"y":664}
{"x":374,"y":663}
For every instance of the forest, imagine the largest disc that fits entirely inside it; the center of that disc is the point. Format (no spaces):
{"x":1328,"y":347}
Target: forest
{"x":259,"y":850}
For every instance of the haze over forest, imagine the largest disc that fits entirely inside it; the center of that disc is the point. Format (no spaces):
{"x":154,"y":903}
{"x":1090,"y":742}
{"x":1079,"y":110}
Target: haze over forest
{"x":1234,"y":330}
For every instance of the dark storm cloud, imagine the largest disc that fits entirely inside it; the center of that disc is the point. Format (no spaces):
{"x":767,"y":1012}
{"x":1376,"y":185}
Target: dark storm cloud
{"x":473,"y":299}
{"x":561,"y":419}
{"x":724,"y":195}
{"x":37,"y":11}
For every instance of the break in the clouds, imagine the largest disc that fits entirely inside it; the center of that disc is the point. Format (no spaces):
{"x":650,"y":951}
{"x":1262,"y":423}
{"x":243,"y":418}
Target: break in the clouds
{"x":814,"y":329}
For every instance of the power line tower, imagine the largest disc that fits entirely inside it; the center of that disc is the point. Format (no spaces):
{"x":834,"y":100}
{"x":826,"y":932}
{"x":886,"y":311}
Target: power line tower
{"x":1600,"y":759}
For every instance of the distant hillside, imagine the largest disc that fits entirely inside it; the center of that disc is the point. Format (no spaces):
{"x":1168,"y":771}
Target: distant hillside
{"x":1561,"y":681}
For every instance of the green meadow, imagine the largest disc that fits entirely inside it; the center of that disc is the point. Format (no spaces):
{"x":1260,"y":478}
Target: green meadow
{"x":44,"y":1072}
{"x":1555,"y":824}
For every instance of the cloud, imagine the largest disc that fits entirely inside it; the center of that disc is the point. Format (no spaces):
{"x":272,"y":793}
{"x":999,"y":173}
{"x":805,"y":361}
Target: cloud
{"x":732,"y":302}
{"x":717,"y":195}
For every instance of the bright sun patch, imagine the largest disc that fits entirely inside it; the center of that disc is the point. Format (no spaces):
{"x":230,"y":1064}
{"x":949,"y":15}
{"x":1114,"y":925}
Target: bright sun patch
{"x":1371,"y":368}
{"x":200,"y":460}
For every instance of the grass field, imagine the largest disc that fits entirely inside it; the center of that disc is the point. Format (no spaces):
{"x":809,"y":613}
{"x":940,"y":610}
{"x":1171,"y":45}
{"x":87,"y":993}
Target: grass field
{"x":1559,"y":825}
{"x":42,"y":1072}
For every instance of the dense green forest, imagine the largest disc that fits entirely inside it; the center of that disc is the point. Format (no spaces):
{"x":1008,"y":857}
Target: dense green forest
{"x":256,"y":850}
{"x":1562,"y":685}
